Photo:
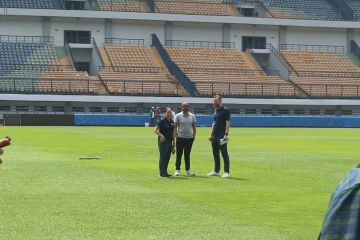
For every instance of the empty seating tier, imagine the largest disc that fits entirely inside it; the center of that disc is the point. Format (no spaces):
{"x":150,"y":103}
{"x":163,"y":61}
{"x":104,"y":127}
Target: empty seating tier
{"x":123,"y":5}
{"x":324,"y":74}
{"x":355,"y":6}
{"x":137,"y":70}
{"x":319,"y":61}
{"x":302,"y":9}
{"x":35,"y":67}
{"x":228,"y":72}
{"x":195,"y":7}
{"x":37,"y":4}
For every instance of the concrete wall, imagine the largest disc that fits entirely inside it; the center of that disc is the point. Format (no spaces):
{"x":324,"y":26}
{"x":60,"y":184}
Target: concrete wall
{"x":198,"y":32}
{"x":58,"y":26}
{"x":138,"y":30}
{"x":316,"y":36}
{"x":239,"y":30}
{"x":23,"y":26}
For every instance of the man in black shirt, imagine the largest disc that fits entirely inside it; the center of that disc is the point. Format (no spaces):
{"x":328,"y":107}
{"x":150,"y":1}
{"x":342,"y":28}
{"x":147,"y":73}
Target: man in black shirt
{"x":219,"y":137}
{"x":166,"y":142}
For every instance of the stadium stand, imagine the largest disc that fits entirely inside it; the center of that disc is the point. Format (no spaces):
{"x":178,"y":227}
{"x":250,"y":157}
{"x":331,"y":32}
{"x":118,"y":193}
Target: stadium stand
{"x":196,"y":7}
{"x":355,"y":6}
{"x":38,"y":4}
{"x":328,"y":72}
{"x":30,"y":64}
{"x":136,"y":70}
{"x":302,"y":9}
{"x":123,"y":5}
{"x":227,"y":71}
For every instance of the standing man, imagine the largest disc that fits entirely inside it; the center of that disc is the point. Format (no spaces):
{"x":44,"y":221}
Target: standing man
{"x":164,"y":129}
{"x":152,"y":116}
{"x":219,"y":137}
{"x":185,"y":132}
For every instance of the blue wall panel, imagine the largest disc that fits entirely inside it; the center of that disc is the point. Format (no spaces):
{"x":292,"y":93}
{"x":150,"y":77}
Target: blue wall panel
{"x":236,"y":121}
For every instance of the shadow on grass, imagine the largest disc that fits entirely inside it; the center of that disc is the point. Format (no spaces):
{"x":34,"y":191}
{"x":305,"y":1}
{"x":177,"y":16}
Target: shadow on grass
{"x":236,"y":179}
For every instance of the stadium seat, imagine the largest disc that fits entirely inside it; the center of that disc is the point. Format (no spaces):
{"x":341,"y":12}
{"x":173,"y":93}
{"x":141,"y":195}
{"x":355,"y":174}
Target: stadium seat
{"x":137,"y":70}
{"x":301,"y":9}
{"x":227,"y":71}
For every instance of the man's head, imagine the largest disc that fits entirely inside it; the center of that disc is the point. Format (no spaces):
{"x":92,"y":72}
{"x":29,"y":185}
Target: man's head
{"x":217,"y":101}
{"x":185,"y":107}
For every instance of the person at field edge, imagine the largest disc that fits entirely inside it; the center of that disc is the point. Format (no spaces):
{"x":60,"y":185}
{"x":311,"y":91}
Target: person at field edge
{"x":219,"y":137}
{"x":157,"y":116}
{"x":184,"y":133}
{"x":152,"y":116}
{"x":166,"y":142}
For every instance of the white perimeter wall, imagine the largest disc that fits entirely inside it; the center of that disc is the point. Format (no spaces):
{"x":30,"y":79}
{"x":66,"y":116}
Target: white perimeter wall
{"x":22,"y":26}
{"x":138,"y":30}
{"x":238,"y":31}
{"x":58,"y":26}
{"x":316,"y":36}
{"x":198,"y":32}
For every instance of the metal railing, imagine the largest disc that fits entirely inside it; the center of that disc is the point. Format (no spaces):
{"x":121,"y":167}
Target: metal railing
{"x":36,"y":67}
{"x":131,"y":69}
{"x":79,"y":40}
{"x":328,"y":74}
{"x":231,"y":71}
{"x":128,"y":87}
{"x":247,"y":89}
{"x":26,"y":39}
{"x":97,"y":51}
{"x":125,"y":41}
{"x":282,"y":59}
{"x":332,"y":90}
{"x":199,"y":44}
{"x":312,"y":48}
{"x":45,"y":85}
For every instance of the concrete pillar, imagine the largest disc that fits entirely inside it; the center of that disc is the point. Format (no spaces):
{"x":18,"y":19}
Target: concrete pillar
{"x":169,"y":29}
{"x":282,"y":36}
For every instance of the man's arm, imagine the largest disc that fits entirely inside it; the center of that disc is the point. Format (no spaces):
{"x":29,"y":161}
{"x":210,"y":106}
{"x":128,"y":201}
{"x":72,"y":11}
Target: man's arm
{"x":212,"y":130}
{"x":157,"y":132}
{"x":227,"y":128}
{"x":194,"y":126}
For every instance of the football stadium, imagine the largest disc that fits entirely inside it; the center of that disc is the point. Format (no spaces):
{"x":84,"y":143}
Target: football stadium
{"x":79,"y":84}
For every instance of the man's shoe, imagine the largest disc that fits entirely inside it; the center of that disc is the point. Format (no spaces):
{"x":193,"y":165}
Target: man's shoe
{"x":1,"y":161}
{"x":225,"y":175}
{"x":164,"y":175}
{"x":177,"y":173}
{"x":168,"y":175}
{"x":213,"y":173}
{"x":189,"y":173}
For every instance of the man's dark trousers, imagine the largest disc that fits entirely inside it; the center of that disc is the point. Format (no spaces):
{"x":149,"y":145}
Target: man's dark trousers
{"x":165,"y":153}
{"x":215,"y":142}
{"x":183,"y":145}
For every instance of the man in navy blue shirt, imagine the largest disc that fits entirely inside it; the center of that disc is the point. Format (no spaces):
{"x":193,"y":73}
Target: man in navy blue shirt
{"x":219,"y":137}
{"x":166,"y":142}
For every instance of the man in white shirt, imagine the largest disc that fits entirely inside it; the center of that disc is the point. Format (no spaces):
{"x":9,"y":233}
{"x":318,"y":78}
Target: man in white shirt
{"x":184,"y":132}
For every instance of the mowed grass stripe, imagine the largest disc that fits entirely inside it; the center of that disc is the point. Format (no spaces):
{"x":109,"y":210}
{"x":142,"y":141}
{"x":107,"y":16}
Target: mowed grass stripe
{"x":281,"y":182}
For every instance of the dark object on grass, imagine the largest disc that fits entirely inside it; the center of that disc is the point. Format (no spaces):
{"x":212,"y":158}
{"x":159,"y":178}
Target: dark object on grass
{"x":89,"y":158}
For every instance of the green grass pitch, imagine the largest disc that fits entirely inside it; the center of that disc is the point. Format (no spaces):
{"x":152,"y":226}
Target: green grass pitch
{"x":280,"y":185}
